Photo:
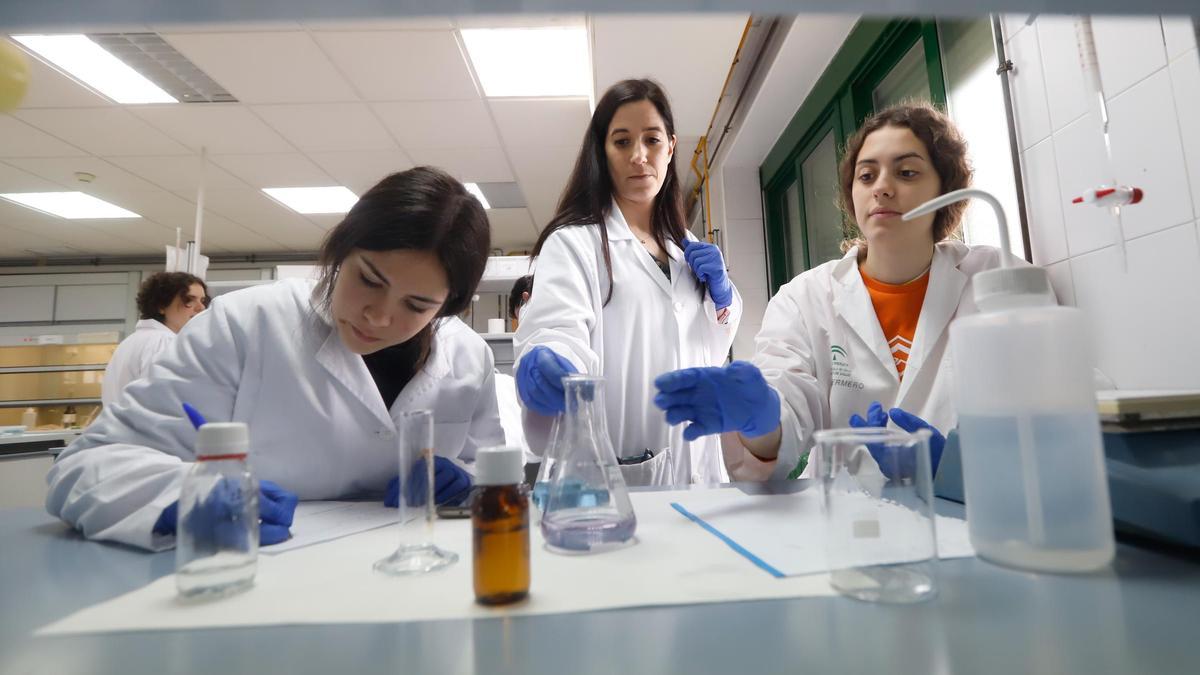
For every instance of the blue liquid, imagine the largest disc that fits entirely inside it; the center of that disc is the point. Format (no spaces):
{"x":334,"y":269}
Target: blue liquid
{"x":573,"y":495}
{"x":583,"y":530}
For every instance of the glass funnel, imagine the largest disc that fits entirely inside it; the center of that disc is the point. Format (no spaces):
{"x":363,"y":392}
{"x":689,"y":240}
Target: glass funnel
{"x":587,"y":506}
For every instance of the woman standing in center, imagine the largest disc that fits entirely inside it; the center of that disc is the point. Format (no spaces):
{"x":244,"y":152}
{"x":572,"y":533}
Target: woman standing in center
{"x":625,"y":292}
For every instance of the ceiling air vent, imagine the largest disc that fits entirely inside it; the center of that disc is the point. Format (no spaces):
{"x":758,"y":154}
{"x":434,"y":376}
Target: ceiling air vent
{"x":160,"y":63}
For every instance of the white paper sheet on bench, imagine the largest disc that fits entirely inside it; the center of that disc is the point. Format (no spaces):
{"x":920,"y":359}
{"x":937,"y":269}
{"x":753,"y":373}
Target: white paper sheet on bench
{"x":318,"y":522}
{"x":785,"y":532}
{"x":674,"y":562}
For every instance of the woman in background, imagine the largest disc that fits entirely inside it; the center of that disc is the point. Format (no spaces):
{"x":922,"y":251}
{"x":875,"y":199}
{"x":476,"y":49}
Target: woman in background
{"x":166,"y":301}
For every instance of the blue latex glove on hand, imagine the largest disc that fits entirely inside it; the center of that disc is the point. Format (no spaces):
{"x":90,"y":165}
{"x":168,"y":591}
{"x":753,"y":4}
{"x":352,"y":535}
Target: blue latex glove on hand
{"x":709,"y":267}
{"x":450,"y":484}
{"x":716,"y":400}
{"x":539,"y":381}
{"x":907,"y":421}
{"x":212,"y":521}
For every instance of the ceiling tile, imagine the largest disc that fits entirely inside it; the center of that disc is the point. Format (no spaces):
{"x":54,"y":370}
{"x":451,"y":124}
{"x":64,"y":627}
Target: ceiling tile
{"x":282,"y":170}
{"x":326,"y":221}
{"x":327,"y":126}
{"x":221,"y":127}
{"x":256,"y":26}
{"x":361,"y":170}
{"x":102,"y":131}
{"x":439,"y":124}
{"x":689,"y":55}
{"x":18,"y":139}
{"x":255,"y":211}
{"x":512,"y":228}
{"x":62,"y":170}
{"x":73,"y":232}
{"x":471,"y":165}
{"x":148,"y":234}
{"x":232,"y":237}
{"x":13,"y":179}
{"x":49,"y":88}
{"x":538,"y":122}
{"x":17,"y":243}
{"x":401,"y":65}
{"x":177,"y":172}
{"x":542,"y":175}
{"x":268,"y":67}
{"x":521,"y":21}
{"x":416,"y":23}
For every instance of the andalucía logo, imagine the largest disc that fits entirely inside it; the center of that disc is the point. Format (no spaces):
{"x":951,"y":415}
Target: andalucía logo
{"x":836,"y":350}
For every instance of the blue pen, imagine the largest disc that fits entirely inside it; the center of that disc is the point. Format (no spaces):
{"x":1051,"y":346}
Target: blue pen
{"x":194,"y":415}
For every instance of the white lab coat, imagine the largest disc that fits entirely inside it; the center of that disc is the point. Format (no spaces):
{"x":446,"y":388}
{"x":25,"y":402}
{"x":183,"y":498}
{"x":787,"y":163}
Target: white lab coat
{"x":820,"y":387}
{"x":132,"y":358}
{"x":649,"y":327}
{"x":318,"y":426}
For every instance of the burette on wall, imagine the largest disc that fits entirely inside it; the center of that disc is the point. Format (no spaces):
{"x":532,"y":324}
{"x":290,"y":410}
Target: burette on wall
{"x":1112,"y":195}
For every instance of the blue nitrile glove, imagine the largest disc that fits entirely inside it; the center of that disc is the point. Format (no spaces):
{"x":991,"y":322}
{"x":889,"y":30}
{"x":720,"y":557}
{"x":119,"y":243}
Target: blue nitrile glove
{"x":907,"y":421}
{"x":911,"y":423}
{"x":450,"y":484}
{"x":708,"y":265}
{"x":715,"y":400}
{"x":210,"y":521}
{"x":539,"y":380}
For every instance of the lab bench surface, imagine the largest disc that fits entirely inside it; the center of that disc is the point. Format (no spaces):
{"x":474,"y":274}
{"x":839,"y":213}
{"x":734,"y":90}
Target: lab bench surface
{"x":1141,"y":615}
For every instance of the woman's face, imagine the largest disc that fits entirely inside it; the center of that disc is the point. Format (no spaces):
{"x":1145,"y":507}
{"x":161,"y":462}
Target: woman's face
{"x":893,"y":174}
{"x":384,"y":298}
{"x":183,"y":308}
{"x":639,"y":150}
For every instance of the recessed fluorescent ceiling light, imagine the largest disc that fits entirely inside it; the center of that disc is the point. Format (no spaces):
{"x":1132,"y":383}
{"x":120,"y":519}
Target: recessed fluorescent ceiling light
{"x":530,"y":61}
{"x":474,"y":189}
{"x":73,"y":205}
{"x":91,"y":64}
{"x":334,"y":199}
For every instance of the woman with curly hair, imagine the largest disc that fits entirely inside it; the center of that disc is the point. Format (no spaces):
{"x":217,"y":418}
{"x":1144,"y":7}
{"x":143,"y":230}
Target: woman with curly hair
{"x":866,"y":333}
{"x":166,"y":301}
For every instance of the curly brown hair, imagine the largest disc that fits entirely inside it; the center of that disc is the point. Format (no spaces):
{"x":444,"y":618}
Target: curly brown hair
{"x":947,"y":151}
{"x":160,"y":289}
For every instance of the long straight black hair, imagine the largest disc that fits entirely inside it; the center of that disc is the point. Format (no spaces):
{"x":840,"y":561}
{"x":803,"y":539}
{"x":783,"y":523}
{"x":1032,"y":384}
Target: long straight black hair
{"x":423,"y":209}
{"x":587,"y":199}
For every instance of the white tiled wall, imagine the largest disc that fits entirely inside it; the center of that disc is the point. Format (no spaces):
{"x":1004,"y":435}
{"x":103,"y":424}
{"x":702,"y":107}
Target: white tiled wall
{"x":737,"y":210}
{"x":1145,"y":318}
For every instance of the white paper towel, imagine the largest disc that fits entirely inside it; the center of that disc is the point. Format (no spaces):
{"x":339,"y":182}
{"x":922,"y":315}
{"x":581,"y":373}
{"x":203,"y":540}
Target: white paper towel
{"x":674,"y":562}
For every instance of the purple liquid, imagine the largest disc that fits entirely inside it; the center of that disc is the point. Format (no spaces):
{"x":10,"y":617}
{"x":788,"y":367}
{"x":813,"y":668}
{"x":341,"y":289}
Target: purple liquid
{"x":584,"y":530}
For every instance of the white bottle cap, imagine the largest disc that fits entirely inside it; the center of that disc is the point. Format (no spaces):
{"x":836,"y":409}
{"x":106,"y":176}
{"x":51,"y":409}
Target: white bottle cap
{"x":222,"y":438}
{"x":1008,"y":287}
{"x":501,"y":465}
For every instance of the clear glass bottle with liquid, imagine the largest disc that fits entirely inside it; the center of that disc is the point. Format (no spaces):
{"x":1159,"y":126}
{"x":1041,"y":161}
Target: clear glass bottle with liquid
{"x":587,"y":505}
{"x":216,"y":545}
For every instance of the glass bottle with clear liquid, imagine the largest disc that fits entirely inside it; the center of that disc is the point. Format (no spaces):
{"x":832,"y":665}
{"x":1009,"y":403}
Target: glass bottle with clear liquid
{"x":216,"y":543}
{"x":587,"y":507}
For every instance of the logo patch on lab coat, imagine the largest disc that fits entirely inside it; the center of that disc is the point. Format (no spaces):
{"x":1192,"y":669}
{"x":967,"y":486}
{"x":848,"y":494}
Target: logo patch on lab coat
{"x":841,"y":370}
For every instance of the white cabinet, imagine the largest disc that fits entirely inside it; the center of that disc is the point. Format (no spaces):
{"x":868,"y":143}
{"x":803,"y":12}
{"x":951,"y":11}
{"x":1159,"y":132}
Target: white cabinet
{"x":24,"y":304}
{"x":91,"y":303}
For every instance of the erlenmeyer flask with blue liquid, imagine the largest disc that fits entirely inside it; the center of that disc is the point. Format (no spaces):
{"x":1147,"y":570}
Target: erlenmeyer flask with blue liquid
{"x":586,"y":506}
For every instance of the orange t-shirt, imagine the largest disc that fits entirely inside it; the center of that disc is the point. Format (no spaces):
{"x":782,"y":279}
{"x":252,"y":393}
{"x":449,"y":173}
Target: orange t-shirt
{"x":898,"y":306}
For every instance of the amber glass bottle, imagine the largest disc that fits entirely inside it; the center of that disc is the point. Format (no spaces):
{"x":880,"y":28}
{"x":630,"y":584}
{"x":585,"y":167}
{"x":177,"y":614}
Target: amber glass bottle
{"x":500,"y":524}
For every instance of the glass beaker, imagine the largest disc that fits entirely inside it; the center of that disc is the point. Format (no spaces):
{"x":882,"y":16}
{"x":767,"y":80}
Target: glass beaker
{"x":587,"y":507}
{"x":421,"y":555}
{"x":877,"y":498}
